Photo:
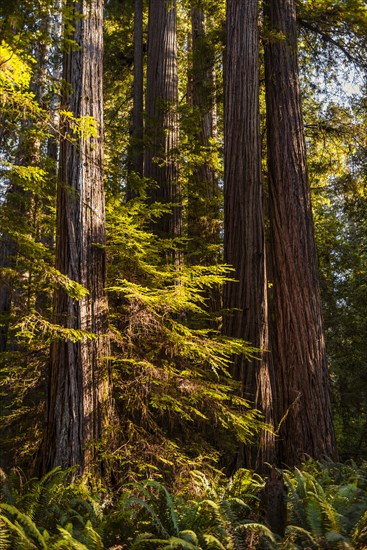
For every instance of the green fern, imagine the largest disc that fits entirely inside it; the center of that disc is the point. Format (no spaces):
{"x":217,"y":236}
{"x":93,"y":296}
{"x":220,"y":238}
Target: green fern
{"x":205,"y":523}
{"x":325,"y":502}
{"x":22,"y":527}
{"x":263,"y":530}
{"x":359,"y":533}
{"x":67,"y":541}
{"x":295,"y":532}
{"x":146,"y":541}
{"x":4,"y":535}
{"x":212,"y":543}
{"x":313,"y":511}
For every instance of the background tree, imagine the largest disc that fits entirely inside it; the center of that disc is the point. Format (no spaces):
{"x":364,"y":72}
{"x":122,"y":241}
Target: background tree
{"x":243,"y":214}
{"x":303,"y":402}
{"x":137,"y":122}
{"x":78,"y":380}
{"x":203,"y":192}
{"x":161,"y":116}
{"x":26,"y":223}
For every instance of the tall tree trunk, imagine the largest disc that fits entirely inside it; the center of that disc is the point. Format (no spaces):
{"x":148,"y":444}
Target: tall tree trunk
{"x":137,"y":124}
{"x":78,"y":378}
{"x":8,"y":251}
{"x":203,"y":209}
{"x":306,"y":426}
{"x":162,"y":120}
{"x":243,"y":217}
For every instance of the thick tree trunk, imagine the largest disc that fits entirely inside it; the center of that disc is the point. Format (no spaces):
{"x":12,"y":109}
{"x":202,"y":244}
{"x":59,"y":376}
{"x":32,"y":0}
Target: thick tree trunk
{"x":8,"y":251}
{"x":136,"y":160}
{"x":78,"y":379}
{"x":203,"y":207}
{"x":306,"y":426}
{"x":243,"y":217}
{"x":162,"y":119}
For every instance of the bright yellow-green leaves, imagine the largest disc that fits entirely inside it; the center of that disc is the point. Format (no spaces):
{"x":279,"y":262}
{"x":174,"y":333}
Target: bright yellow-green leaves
{"x":14,"y":70}
{"x":16,"y":98}
{"x":82,"y":127}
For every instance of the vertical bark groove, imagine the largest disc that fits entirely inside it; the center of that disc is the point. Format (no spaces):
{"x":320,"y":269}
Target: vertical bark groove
{"x":203,"y":204}
{"x":78,"y":384}
{"x":299,"y":348}
{"x":136,"y":155}
{"x":162,"y":119}
{"x":243,"y":217}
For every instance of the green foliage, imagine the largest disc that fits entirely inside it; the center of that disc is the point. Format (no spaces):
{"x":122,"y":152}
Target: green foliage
{"x":337,"y":171}
{"x":327,"y":504}
{"x":164,"y":521}
{"x":50,"y":513}
{"x":81,"y":127}
{"x":339,"y":25}
{"x":168,"y":376}
{"x":327,"y":508}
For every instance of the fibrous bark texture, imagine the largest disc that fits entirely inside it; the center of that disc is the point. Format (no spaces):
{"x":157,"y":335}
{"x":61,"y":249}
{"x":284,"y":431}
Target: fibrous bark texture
{"x":243,"y":217}
{"x":136,"y":156}
{"x":162,"y":120}
{"x":78,"y":385}
{"x":8,"y":251}
{"x":306,"y":426}
{"x":203,"y":203}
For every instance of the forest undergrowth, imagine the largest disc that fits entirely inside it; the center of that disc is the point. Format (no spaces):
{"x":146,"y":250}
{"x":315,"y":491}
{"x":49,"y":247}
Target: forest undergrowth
{"x":326,"y":507}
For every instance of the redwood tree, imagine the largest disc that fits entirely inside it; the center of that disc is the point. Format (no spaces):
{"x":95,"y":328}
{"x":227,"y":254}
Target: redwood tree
{"x":78,"y":384}
{"x":243,"y":217}
{"x":136,"y":155}
{"x":161,"y":111}
{"x":203,"y":202}
{"x":137,"y":133}
{"x":305,"y":421}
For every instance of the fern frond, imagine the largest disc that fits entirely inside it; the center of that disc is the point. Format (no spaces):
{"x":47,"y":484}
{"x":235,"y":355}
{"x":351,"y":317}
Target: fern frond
{"x":295,"y":501}
{"x":212,"y":543}
{"x":259,"y":528}
{"x":29,"y":528}
{"x":314,"y":516}
{"x":17,"y":533}
{"x":68,"y":542}
{"x":332,"y":516}
{"x":359,"y":533}
{"x":175,"y":543}
{"x":292,"y":532}
{"x":4,"y":535}
{"x":155,"y":518}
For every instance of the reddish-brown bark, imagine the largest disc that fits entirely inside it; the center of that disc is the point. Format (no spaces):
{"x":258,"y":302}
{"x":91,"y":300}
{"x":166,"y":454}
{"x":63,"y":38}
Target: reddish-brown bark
{"x":136,"y":154}
{"x":305,"y":420}
{"x":162,"y":119}
{"x":243,"y":217}
{"x":78,"y":381}
{"x":203,"y":203}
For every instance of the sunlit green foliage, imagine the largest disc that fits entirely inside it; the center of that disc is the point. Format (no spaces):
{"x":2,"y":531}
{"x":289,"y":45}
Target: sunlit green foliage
{"x":168,"y":376}
{"x":326,"y":509}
